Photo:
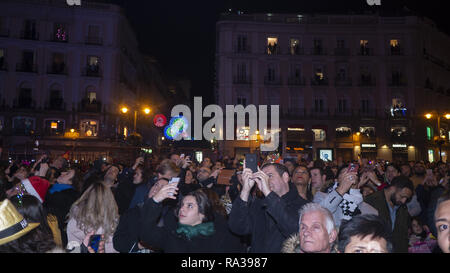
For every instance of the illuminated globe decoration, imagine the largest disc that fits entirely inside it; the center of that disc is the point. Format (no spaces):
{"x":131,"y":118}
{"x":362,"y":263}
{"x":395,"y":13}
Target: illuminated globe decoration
{"x":160,"y":120}
{"x":177,"y":127}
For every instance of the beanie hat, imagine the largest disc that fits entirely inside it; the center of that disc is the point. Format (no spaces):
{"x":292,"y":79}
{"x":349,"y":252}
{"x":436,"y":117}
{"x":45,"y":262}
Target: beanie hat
{"x":36,"y":186}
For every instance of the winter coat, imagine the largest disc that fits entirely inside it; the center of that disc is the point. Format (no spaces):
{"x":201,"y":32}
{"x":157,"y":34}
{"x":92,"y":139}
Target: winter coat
{"x":125,"y":190}
{"x":166,"y":238}
{"x":400,"y":239}
{"x":292,"y":245}
{"x":269,"y":220}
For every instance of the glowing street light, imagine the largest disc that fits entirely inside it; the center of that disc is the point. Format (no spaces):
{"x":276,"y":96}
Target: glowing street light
{"x":428,"y":116}
{"x":72,"y":130}
{"x":147,"y":110}
{"x":124,"y":110}
{"x":447,"y":116}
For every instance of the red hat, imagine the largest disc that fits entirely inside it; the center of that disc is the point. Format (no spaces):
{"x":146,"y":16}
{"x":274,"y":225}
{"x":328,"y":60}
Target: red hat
{"x":37,"y":187}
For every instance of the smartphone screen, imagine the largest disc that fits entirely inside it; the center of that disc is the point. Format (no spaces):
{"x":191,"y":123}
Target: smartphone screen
{"x":174,"y":180}
{"x":251,"y":162}
{"x":429,"y":172}
{"x":94,"y":242}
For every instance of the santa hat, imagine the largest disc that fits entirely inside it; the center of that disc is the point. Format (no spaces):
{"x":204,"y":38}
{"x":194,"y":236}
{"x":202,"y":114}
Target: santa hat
{"x":37,"y":187}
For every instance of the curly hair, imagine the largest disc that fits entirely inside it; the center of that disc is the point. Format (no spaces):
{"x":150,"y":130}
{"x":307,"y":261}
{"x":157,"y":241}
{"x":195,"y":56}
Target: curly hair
{"x":95,"y":209}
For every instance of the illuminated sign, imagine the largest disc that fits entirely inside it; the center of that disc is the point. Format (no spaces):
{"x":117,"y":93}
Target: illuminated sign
{"x":296,"y":129}
{"x":54,"y":125}
{"x":73,"y":2}
{"x":368,"y":145}
{"x":399,"y":145}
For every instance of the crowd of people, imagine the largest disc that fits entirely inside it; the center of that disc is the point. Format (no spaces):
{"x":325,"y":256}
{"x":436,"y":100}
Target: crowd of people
{"x":175,"y":204}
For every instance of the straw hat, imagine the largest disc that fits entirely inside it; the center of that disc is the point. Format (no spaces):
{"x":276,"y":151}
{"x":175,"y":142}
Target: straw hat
{"x":12,"y":223}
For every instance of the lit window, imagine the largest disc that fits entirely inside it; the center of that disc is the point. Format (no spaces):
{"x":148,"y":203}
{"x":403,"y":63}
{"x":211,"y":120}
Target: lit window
{"x":430,"y":155}
{"x":54,"y":127}
{"x":319,"y":134}
{"x":343,"y":132}
{"x":367,"y":131}
{"x":272,"y":43}
{"x":429,"y":133}
{"x":364,"y":43}
{"x":199,"y":156}
{"x":89,"y":128}
{"x":23,"y":125}
{"x":394,"y":43}
{"x":294,"y":46}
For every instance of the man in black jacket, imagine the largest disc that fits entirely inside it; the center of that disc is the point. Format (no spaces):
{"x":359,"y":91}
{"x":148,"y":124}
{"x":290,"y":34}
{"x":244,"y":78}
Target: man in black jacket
{"x":269,"y":220}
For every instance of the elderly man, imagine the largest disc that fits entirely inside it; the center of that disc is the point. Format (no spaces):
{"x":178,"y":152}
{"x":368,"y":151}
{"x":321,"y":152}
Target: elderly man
{"x":317,"y":232}
{"x":269,"y":220}
{"x":442,"y":222}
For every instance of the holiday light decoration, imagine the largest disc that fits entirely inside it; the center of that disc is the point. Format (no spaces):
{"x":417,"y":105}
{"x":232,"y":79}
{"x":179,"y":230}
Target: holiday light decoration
{"x":178,"y":126}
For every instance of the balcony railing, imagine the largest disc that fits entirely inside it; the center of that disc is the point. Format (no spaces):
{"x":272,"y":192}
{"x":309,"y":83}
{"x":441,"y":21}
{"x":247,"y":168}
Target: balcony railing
{"x":272,"y":50}
{"x":396,"y":51}
{"x":367,"y":81}
{"x":296,"y":50}
{"x":24,"y":103}
{"x":343,"y":112}
{"x":397,"y":82}
{"x":367,"y":112}
{"x":26,"y":67}
{"x":241,"y":49}
{"x":342,"y":51}
{"x":92,"y":40}
{"x":366,"y":51}
{"x":242,"y":80}
{"x":339,"y":81}
{"x":319,"y":51}
{"x":58,"y":69}
{"x":92,"y":71}
{"x":29,"y":35}
{"x":296,"y":81}
{"x":59,"y":40}
{"x":4,"y":32}
{"x":87,"y":105}
{"x":56,"y":104}
{"x":272,"y":81}
{"x":315,"y":81}
{"x":319,"y":112}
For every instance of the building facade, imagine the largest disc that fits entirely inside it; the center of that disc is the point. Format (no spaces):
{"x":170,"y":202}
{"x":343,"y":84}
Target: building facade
{"x":347,"y":85}
{"x":64,"y":74}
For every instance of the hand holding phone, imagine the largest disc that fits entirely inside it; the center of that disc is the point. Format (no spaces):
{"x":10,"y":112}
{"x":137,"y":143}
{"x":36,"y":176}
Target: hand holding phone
{"x":251,"y":162}
{"x":94,"y":242}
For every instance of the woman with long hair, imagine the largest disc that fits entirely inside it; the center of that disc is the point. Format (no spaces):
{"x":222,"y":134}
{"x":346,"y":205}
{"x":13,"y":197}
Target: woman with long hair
{"x":96,"y":211}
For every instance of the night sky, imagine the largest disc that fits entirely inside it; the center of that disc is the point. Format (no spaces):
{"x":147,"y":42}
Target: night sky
{"x":181,"y":34}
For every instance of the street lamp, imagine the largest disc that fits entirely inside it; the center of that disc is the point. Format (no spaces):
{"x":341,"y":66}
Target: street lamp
{"x":440,"y":139}
{"x":146,"y":111}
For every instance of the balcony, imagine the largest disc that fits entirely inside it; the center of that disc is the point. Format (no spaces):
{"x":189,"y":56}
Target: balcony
{"x":26,"y":67}
{"x":296,"y":81}
{"x":342,"y":52}
{"x":339,"y":81}
{"x":318,"y":51}
{"x":272,"y":50}
{"x":24,"y":103}
{"x":56,"y":104}
{"x":316,"y":81}
{"x":242,"y":80}
{"x":92,"y":71}
{"x":29,"y":35}
{"x":92,"y":40}
{"x":57,"y":69}
{"x":343,"y":112}
{"x":272,"y":81}
{"x":87,"y":105}
{"x":59,"y":40}
{"x":366,"y":51}
{"x":296,"y":50}
{"x":4,"y":32}
{"x":366,"y":81}
{"x":397,"y":51}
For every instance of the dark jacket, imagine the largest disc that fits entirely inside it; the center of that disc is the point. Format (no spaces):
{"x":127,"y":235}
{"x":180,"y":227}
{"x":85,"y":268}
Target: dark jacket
{"x":400,"y":238}
{"x":125,"y":190}
{"x":141,"y":192}
{"x":270,"y":220}
{"x":59,"y":203}
{"x":166,"y":238}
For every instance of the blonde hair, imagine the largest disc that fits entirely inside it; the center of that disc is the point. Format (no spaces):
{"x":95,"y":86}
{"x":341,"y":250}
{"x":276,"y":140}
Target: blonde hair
{"x":95,"y":209}
{"x":166,"y":166}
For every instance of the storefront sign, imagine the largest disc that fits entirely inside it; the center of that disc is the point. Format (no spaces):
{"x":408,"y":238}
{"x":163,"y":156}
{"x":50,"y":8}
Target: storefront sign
{"x":399,"y":146}
{"x":368,"y":145}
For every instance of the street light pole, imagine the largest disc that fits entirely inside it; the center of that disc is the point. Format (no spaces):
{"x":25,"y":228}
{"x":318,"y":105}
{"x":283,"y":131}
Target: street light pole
{"x":135,"y":118}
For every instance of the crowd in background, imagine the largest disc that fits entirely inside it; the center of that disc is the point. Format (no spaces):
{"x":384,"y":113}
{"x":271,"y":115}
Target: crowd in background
{"x":173,"y":203}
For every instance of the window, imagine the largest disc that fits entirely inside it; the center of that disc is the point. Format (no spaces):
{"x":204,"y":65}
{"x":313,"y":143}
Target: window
{"x":27,"y":64}
{"x":398,"y":131}
{"x":398,"y":108}
{"x":23,"y":125}
{"x":89,"y":128}
{"x":30,"y":30}
{"x":294,"y":46}
{"x":242,"y":72}
{"x":1,"y":124}
{"x":199,"y":156}
{"x":93,"y":31}
{"x":92,"y":97}
{"x":365,"y":105}
{"x":318,"y":49}
{"x":271,"y":72}
{"x":430,"y":155}
{"x":342,"y":72}
{"x":54,"y":127}
{"x":343,"y":132}
{"x":342,"y":105}
{"x":242,"y":43}
{"x":364,"y":44}
{"x":58,"y":65}
{"x":318,"y":105}
{"x":93,"y":66}
{"x":429,"y":133}
{"x":368,"y":131}
{"x":2,"y":58}
{"x":319,"y":73}
{"x":60,"y":33}
{"x":340,"y":43}
{"x":272,"y":45}
{"x":242,"y":101}
{"x":319,"y":134}
{"x":25,"y":97}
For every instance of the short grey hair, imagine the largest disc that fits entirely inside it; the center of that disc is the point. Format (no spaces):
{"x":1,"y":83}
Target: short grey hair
{"x":310,"y":207}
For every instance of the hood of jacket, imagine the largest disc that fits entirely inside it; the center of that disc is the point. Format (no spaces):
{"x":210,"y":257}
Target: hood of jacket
{"x":292,"y":245}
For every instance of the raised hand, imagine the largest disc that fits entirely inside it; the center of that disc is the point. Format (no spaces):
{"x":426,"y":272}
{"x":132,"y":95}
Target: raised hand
{"x":346,"y":181}
{"x":168,"y":191}
{"x":262,"y":180}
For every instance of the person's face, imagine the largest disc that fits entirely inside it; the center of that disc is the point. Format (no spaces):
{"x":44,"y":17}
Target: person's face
{"x":206,"y":162}
{"x":175,"y":158}
{"x":158,"y":185}
{"x":442,"y":169}
{"x":66,"y":177}
{"x":289,"y":166}
{"x":189,"y":177}
{"x":317,"y":180}
{"x":419,"y":169}
{"x":442,"y":222}
{"x":58,"y":163}
{"x":367,"y":244}
{"x":401,"y":196}
{"x":137,"y":177}
{"x":21,"y":173}
{"x":416,"y":227}
{"x":276,"y":182}
{"x":300,"y":176}
{"x":391,"y":172}
{"x":188,"y":213}
{"x":406,"y":171}
{"x":314,"y":237}
{"x":366,"y":191}
{"x":203,"y":173}
{"x":112,"y":173}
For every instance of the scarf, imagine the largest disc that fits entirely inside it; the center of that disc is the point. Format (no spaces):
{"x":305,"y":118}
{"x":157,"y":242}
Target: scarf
{"x":205,"y":229}
{"x":59,"y":187}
